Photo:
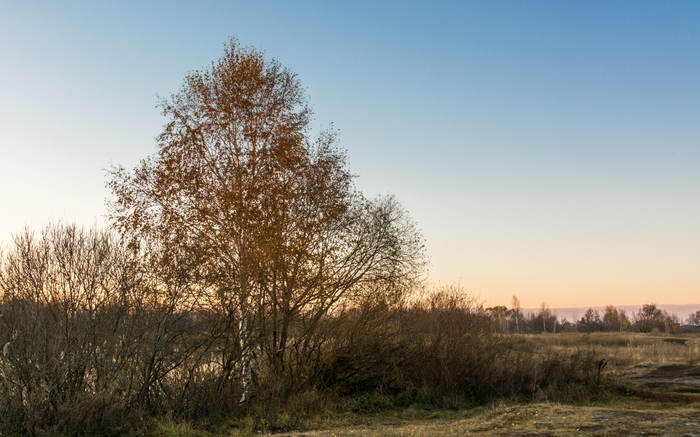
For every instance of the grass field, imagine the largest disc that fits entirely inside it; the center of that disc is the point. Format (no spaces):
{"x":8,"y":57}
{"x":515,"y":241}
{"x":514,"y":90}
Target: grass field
{"x":652,"y":387}
{"x":621,"y":418}
{"x":660,"y":373}
{"x":626,"y":350}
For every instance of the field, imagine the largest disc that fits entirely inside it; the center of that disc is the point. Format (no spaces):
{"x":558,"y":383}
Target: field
{"x":650,"y":385}
{"x":438,"y":365}
{"x":626,"y":417}
{"x":657,"y":392}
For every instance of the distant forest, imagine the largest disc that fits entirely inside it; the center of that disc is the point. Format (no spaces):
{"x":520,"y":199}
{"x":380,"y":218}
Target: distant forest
{"x":649,"y":318}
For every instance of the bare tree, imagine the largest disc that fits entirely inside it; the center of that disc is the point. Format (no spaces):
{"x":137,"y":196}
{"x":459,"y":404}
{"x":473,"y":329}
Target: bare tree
{"x":694,"y":319}
{"x":546,"y":317}
{"x":272,"y":215}
{"x":649,"y":317}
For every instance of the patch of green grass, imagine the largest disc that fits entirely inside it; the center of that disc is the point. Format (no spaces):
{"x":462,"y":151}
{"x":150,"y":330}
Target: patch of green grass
{"x":167,"y":427}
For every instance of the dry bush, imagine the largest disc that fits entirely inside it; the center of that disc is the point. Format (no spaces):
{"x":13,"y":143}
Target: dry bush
{"x":360,"y":352}
{"x":94,"y":334}
{"x":437,"y":351}
{"x":452,"y":353}
{"x":64,"y":296}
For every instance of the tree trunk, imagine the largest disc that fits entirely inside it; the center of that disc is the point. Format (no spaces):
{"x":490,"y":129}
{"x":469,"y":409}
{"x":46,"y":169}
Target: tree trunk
{"x":246,"y":356}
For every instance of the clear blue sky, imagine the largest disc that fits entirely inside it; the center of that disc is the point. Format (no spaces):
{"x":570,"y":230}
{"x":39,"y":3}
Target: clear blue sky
{"x":546,"y":149}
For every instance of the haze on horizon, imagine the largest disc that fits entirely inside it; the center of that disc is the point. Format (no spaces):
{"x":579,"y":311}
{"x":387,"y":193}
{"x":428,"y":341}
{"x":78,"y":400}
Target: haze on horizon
{"x":549,"y":150}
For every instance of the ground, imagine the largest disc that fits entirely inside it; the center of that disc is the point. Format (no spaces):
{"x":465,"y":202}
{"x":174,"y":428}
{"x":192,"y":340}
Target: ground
{"x":663,"y":401}
{"x":633,"y":418}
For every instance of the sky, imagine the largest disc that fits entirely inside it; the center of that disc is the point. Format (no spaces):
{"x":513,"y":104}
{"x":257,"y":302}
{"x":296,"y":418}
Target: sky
{"x":546,"y":149}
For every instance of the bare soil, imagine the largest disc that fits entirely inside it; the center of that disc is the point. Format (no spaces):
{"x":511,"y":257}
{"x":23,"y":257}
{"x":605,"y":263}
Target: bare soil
{"x":677,"y":378}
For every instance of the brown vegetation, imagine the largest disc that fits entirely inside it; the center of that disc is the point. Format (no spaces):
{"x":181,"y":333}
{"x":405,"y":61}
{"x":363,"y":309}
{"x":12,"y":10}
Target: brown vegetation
{"x":280,"y":236}
{"x":98,"y":336}
{"x":250,"y":281}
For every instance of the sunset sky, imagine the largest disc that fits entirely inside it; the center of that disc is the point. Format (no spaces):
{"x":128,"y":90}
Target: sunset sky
{"x":547,"y":149}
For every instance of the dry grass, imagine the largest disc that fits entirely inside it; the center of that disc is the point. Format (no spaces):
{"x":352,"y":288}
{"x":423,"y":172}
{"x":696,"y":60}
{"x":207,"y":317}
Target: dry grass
{"x":626,"y":351}
{"x":630,"y":418}
{"x":637,"y":410}
{"x":642,"y":409}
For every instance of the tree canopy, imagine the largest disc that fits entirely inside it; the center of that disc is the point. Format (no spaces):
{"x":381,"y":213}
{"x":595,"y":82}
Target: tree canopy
{"x":271,"y":215}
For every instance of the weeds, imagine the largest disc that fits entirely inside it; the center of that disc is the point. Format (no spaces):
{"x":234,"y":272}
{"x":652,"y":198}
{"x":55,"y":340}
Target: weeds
{"x":626,"y":350}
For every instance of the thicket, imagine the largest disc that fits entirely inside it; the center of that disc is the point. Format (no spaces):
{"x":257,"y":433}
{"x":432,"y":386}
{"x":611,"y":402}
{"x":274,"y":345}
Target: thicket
{"x":97,"y":337}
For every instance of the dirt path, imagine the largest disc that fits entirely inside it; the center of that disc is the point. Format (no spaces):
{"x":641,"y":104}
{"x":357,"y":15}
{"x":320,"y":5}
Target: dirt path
{"x":674,"y":378}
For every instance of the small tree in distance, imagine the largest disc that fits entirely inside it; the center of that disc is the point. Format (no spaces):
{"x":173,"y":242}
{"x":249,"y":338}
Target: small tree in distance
{"x":546,"y":319}
{"x":516,"y":314}
{"x":671,"y":322}
{"x":591,"y":321}
{"x":648,"y":318}
{"x":694,"y":319}
{"x":615,"y":319}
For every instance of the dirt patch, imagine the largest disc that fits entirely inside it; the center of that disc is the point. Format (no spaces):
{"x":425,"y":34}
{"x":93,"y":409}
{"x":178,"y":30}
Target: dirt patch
{"x":677,"y":371}
{"x":590,"y":428}
{"x":672,"y":383}
{"x":680,"y":341}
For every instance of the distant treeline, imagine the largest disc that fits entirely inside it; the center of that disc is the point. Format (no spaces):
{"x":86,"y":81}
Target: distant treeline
{"x":649,"y":318}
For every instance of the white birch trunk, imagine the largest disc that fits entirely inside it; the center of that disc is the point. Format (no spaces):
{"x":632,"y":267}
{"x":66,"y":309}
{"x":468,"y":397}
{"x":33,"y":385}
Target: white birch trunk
{"x":246,"y":355}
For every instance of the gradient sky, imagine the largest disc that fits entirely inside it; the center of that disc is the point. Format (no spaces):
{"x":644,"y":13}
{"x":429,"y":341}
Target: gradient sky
{"x":546,"y":149}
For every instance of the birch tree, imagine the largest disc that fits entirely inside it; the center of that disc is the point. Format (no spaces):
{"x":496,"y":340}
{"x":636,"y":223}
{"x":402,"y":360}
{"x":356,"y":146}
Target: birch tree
{"x":272,"y":214}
